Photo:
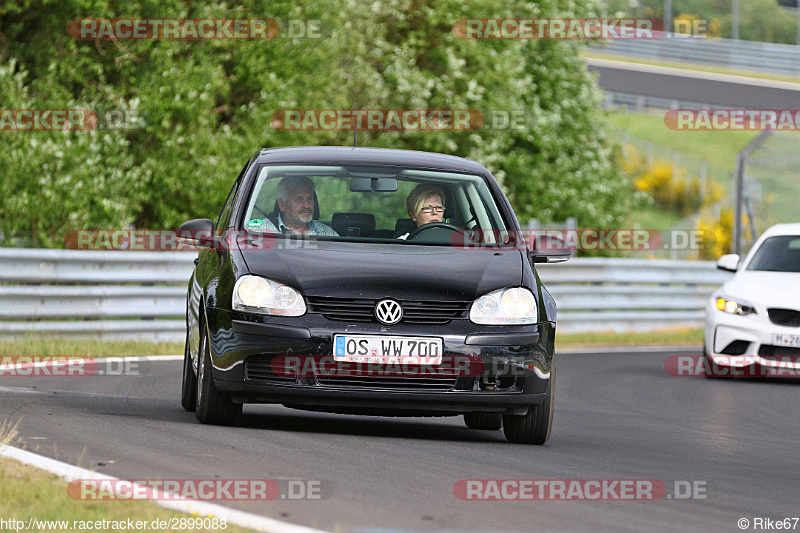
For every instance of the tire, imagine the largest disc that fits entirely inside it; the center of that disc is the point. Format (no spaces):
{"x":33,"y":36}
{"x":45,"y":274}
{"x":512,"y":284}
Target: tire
{"x":534,"y":427}
{"x":483,"y":420}
{"x":213,"y":407}
{"x":189,"y":382}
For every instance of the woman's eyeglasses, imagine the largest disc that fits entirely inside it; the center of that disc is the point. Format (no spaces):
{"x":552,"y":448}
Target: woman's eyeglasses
{"x":428,"y":209}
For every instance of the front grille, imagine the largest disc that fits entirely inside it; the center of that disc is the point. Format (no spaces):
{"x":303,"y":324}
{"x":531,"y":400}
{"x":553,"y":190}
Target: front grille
{"x":349,"y":309}
{"x":414,"y":311}
{"x":259,"y":368}
{"x":768,"y":351}
{"x":427,"y":383}
{"x":784,"y":317}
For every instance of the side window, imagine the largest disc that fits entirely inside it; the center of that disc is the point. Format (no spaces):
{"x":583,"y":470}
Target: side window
{"x":225,"y":214}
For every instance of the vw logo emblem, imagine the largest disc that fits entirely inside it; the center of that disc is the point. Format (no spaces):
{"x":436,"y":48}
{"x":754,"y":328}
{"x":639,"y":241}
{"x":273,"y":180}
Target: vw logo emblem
{"x":388,"y":312}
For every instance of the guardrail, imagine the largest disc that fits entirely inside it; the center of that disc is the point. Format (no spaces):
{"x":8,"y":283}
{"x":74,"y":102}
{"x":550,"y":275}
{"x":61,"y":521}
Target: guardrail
{"x":640,"y":102}
{"x":599,"y":294}
{"x":108,"y":295}
{"x":774,"y":58}
{"x":111,"y":295}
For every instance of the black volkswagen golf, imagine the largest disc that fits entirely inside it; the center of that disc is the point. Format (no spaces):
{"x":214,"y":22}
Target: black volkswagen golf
{"x":370,"y":281}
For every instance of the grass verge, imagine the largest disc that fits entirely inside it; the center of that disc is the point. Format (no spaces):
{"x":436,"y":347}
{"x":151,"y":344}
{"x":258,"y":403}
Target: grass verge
{"x":653,"y":218}
{"x":87,"y":347}
{"x":665,"y":337}
{"x":27,"y":492}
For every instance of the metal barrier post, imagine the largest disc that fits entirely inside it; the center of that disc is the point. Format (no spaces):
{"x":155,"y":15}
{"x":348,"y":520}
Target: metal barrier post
{"x":741,"y":161}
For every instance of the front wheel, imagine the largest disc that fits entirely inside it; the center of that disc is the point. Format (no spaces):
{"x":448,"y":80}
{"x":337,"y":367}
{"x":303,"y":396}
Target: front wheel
{"x":213,"y":407}
{"x":534,"y":427}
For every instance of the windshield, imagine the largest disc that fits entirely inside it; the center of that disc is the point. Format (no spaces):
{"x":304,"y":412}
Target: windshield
{"x":778,"y":254}
{"x":370,"y":203}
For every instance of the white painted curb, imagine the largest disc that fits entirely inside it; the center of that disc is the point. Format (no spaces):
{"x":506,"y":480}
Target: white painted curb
{"x":69,"y":472}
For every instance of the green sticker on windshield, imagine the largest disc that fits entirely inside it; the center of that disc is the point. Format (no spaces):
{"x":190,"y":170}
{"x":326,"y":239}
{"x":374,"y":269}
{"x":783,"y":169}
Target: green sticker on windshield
{"x":256,"y":222}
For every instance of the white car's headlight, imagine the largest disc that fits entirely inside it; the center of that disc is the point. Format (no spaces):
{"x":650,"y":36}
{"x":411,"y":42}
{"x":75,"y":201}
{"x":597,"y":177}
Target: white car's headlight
{"x":505,"y":306}
{"x":259,"y":295}
{"x":734,"y":307}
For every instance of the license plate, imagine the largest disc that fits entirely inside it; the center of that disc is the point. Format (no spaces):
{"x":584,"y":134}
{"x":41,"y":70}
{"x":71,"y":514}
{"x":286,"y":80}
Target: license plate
{"x":779,"y":339}
{"x":387,"y":349}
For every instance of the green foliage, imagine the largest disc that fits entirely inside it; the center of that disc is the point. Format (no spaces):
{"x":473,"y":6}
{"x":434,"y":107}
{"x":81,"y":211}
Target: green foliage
{"x":207,"y":105}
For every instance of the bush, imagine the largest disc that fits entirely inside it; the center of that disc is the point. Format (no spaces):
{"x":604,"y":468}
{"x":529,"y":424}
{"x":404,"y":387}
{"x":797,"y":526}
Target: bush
{"x":668,"y":187}
{"x":717,"y":235}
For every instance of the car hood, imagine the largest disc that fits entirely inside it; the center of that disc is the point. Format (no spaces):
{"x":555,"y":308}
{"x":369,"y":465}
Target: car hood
{"x":765,"y":289}
{"x":367,"y":270}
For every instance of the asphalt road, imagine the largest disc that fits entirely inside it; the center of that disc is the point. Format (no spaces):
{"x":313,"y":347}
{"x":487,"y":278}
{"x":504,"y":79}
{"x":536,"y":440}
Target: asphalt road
{"x":617,"y":416}
{"x":706,"y":88}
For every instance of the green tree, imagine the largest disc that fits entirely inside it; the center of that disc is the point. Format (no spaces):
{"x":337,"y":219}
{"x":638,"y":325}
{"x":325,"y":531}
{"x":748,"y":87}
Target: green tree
{"x":207,"y":105}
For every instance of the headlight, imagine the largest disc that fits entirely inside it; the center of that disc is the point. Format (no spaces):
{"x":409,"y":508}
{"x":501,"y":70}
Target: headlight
{"x":506,"y":306}
{"x":259,"y":295}
{"x":734,"y":307}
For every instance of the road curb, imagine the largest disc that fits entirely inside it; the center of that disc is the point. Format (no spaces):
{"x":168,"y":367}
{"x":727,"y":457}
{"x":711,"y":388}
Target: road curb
{"x":70,"y":472}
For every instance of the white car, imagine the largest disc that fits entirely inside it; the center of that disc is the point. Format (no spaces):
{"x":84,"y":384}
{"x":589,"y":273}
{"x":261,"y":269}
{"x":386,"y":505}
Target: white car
{"x":753,"y":320}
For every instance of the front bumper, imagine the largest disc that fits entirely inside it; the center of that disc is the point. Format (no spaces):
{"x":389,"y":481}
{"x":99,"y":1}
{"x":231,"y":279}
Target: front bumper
{"x":514,"y":366}
{"x":743,"y":341}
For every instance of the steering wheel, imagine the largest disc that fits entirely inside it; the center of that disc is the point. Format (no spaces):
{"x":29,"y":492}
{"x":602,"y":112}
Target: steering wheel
{"x":432,"y":225}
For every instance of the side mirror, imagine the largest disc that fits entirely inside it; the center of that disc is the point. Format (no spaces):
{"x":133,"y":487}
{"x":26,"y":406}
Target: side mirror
{"x":728,"y":262}
{"x":549,"y":249}
{"x":198,"y":231}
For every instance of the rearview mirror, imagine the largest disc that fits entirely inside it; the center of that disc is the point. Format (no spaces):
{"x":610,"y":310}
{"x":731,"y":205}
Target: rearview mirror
{"x":549,"y":249}
{"x":198,"y":231}
{"x":373,"y":185}
{"x":728,"y":262}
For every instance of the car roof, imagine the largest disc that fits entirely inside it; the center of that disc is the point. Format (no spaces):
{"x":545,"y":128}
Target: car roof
{"x":341,"y":155}
{"x":783,"y":229}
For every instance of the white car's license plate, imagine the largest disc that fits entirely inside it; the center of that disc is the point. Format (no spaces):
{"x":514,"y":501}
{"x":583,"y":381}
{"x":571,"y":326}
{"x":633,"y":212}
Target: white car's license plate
{"x":387,"y":349}
{"x":779,"y":339}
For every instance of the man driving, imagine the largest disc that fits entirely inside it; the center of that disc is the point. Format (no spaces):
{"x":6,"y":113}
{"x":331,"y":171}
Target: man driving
{"x":296,"y":211}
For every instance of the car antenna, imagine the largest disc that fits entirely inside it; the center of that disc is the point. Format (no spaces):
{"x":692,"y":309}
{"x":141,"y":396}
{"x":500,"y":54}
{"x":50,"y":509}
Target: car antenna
{"x":355,"y":130}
